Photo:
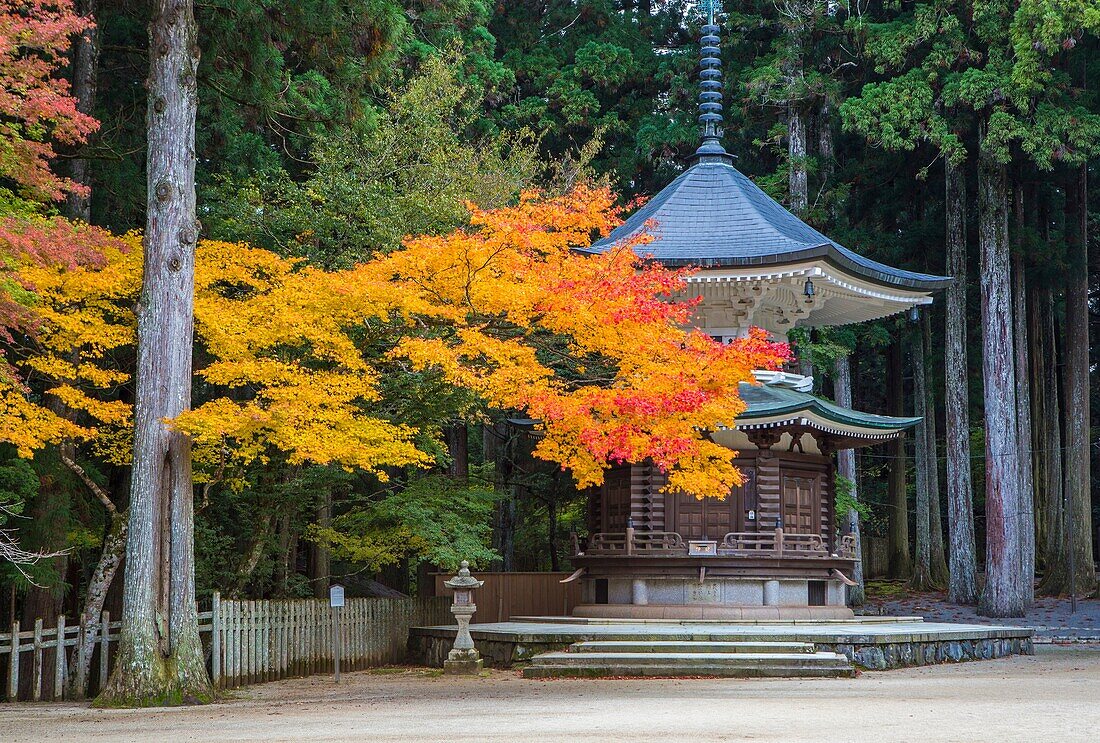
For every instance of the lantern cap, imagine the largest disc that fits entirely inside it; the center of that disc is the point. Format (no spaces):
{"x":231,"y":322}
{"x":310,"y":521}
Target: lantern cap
{"x":464,"y":579}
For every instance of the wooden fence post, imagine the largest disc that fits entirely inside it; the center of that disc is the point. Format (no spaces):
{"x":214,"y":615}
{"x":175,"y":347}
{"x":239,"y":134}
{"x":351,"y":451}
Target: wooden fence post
{"x":13,"y":667}
{"x":59,"y":660}
{"x":36,"y":671}
{"x":216,"y":639}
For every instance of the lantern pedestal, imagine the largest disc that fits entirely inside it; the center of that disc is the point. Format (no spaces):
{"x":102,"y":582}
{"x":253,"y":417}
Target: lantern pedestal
{"x":463,"y":658}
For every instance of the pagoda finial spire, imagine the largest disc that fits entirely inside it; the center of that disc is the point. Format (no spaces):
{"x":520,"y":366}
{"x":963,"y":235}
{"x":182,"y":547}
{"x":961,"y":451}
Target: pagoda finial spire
{"x":710,"y":88}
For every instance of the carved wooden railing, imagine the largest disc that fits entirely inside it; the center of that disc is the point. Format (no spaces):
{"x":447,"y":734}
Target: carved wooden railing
{"x":659,"y":541}
{"x":632,"y":542}
{"x":747,"y":543}
{"x":847,"y":548}
{"x":775,"y":543}
{"x":605,"y":543}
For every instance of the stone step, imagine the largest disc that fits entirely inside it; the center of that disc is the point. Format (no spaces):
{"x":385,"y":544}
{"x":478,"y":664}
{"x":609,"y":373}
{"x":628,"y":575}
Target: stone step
{"x":680,"y":646}
{"x":670,"y":664}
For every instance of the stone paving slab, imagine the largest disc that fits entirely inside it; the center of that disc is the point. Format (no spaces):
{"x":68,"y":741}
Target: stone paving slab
{"x":1051,"y":618}
{"x":661,"y":646}
{"x":861,"y":620}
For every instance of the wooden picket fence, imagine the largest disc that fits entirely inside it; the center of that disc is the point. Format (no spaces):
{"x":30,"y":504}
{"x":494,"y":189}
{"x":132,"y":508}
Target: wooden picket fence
{"x":268,"y":640}
{"x":246,"y":642}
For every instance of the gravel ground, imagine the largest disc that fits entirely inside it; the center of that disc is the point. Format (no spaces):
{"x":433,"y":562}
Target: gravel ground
{"x":1050,"y":696}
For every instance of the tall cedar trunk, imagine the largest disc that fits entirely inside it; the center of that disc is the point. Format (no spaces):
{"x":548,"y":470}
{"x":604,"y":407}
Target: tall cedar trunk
{"x":1047,"y":435}
{"x":798,"y":183}
{"x":921,"y":579}
{"x":825,"y":147}
{"x":85,"y":75}
{"x":320,"y":563}
{"x":796,"y":151}
{"x":899,"y":502}
{"x":1077,"y":494}
{"x":284,"y":566}
{"x":500,"y":449}
{"x":456,"y":437}
{"x":846,"y":467}
{"x":1005,"y":593}
{"x":160,"y":659}
{"x":1023,"y":394}
{"x":939,"y":555}
{"x":963,"y":586}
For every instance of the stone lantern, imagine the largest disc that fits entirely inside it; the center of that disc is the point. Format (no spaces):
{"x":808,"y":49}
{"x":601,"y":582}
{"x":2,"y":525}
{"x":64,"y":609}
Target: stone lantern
{"x":463,"y":657}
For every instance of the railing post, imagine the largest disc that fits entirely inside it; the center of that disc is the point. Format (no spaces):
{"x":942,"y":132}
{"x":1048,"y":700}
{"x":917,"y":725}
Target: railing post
{"x":13,"y":667}
{"x":630,"y":538}
{"x":36,"y":669}
{"x":216,"y":639}
{"x":59,"y":660}
{"x":779,"y":540}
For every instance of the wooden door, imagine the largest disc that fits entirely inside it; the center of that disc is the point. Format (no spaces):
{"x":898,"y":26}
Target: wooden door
{"x":615,"y":500}
{"x":710,"y":518}
{"x":801,"y":505}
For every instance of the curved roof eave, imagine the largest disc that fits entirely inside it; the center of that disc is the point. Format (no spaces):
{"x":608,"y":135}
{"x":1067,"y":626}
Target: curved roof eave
{"x":785,"y":403}
{"x":834,"y":256}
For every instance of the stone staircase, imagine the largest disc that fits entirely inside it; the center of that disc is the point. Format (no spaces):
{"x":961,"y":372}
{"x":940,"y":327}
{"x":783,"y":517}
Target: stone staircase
{"x":670,"y":658}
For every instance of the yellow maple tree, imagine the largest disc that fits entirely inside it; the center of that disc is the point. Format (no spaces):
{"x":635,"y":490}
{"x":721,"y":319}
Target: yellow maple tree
{"x":512,"y":308}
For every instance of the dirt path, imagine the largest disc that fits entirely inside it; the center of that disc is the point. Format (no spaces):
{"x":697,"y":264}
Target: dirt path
{"x":1054,"y":695}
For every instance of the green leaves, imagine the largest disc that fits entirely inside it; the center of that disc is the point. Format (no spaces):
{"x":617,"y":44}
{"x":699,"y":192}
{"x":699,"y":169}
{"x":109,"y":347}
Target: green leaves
{"x":900,"y":114}
{"x":433,"y":517}
{"x":408,"y":168}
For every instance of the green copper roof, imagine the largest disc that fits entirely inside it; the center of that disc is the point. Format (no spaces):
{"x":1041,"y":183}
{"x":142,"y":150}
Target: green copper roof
{"x":771,"y":403}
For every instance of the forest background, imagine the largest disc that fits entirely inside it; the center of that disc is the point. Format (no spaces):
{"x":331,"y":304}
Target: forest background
{"x":329,"y":131}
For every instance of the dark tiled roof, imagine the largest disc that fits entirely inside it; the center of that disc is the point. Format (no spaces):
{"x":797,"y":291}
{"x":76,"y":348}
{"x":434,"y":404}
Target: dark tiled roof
{"x":712,"y":215}
{"x":766,"y":401}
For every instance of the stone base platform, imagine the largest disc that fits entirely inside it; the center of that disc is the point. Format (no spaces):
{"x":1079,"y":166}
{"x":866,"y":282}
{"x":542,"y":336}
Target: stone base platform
{"x":872,"y":643}
{"x":710,"y":611}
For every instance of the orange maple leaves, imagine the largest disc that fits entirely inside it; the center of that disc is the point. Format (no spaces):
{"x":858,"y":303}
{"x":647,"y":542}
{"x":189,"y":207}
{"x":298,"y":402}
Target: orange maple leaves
{"x":589,"y":344}
{"x":514,"y":308}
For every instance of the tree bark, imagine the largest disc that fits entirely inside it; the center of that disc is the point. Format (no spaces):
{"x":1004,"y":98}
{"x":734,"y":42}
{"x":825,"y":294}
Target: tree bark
{"x":1005,"y":593}
{"x":846,"y":467}
{"x":456,"y":438}
{"x":825,"y":146}
{"x":940,"y":573}
{"x":320,"y":563}
{"x":796,"y":151}
{"x":1047,"y":436}
{"x":1023,"y":397}
{"x":963,"y":586}
{"x":900,"y":565}
{"x":798,"y":182}
{"x":160,"y":659}
{"x":1077,"y":496}
{"x":288,"y":548}
{"x":921,"y":578}
{"x":85,"y":78}
{"x":114,"y":546}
